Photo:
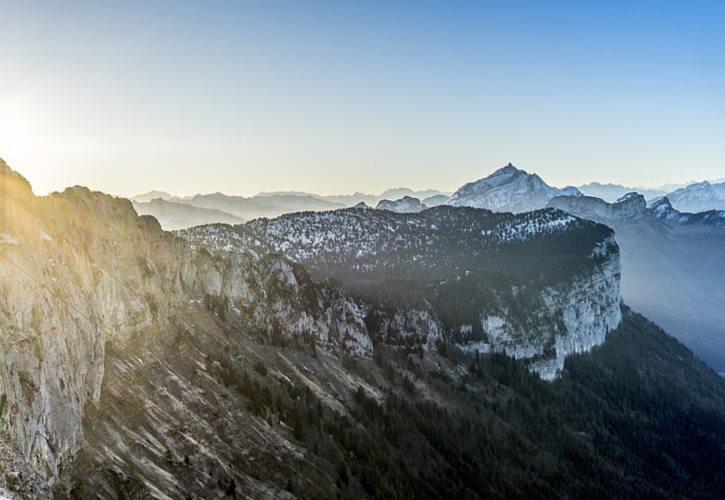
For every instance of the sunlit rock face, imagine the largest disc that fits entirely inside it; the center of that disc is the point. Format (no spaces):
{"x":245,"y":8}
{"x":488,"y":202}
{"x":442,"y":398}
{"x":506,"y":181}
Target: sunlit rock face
{"x":80,"y":270}
{"x":112,"y":330}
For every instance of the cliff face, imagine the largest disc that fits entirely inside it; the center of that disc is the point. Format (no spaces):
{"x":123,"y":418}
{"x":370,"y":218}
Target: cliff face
{"x":629,"y":208}
{"x":137,"y":364}
{"x":589,"y":309}
{"x":536,"y":286}
{"x":569,"y":318}
{"x":672,"y":266}
{"x":80,"y":270}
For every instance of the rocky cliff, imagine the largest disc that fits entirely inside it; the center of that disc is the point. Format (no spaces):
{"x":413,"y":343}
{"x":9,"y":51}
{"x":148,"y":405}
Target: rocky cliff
{"x":80,"y":270}
{"x":137,"y":364}
{"x":672,"y":265}
{"x":536,"y":286}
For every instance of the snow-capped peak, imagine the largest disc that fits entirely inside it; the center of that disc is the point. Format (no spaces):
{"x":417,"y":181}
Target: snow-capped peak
{"x":508,"y":189}
{"x":701,"y":196}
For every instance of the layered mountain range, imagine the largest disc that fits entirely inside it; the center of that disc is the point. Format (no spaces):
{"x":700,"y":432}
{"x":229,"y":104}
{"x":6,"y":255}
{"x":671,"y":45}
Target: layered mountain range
{"x":355,"y":353}
{"x":175,"y":212}
{"x":612,"y":192}
{"x":508,"y":189}
{"x":174,"y":215}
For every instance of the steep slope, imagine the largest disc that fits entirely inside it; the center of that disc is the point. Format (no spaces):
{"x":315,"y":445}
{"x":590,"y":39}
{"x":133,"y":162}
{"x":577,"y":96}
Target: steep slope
{"x":136,"y":365}
{"x":508,"y":189}
{"x":672,"y":266}
{"x":640,"y":416}
{"x":701,"y":222}
{"x":80,"y":270}
{"x":537,"y":286}
{"x":172,"y":215}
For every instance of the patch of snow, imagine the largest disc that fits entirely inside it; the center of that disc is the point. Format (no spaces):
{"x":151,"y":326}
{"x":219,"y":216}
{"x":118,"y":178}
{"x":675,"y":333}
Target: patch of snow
{"x":8,"y":239}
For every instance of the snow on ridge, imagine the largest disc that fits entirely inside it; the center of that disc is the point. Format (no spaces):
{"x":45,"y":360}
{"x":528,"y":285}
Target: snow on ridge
{"x":351,"y":233}
{"x":517,"y":229}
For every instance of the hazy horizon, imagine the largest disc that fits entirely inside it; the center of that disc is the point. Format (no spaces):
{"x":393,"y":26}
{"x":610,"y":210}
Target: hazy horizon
{"x":336,"y":98}
{"x":30,"y":178}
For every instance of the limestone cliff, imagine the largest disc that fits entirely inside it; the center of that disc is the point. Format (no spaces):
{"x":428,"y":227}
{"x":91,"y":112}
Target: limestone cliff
{"x":80,"y":270}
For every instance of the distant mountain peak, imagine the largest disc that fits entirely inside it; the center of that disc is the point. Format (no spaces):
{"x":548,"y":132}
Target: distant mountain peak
{"x":508,"y":168}
{"x":699,"y":197}
{"x":661,"y":202}
{"x":632,"y":197}
{"x":509,"y":189}
{"x":406,"y":204}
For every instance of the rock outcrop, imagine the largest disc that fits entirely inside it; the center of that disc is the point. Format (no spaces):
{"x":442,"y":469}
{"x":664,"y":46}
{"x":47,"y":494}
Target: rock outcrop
{"x":80,"y":270}
{"x":416,"y":268}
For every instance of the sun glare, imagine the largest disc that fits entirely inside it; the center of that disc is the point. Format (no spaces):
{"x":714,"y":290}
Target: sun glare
{"x":26,"y":141}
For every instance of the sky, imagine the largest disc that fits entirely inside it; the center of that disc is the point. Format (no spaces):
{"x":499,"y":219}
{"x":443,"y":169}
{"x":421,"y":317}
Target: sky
{"x":336,"y":97}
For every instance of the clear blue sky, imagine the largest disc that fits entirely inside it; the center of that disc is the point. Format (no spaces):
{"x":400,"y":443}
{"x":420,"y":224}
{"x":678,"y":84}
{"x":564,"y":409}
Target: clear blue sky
{"x":344,"y":96}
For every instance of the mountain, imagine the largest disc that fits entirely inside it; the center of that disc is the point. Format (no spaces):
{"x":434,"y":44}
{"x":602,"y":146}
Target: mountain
{"x":508,"y":189}
{"x":404,"y":204}
{"x":154,"y":195}
{"x":270,"y":205}
{"x":172,"y":215}
{"x":460,"y":272}
{"x":612,"y":192}
{"x":672,"y":266}
{"x":390,"y":194}
{"x":436,"y":200}
{"x":699,"y":197}
{"x":710,"y":221}
{"x":96,"y":296}
{"x":137,"y":363}
{"x":396,"y":193}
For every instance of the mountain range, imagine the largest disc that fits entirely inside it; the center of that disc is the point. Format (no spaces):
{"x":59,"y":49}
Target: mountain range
{"x":659,"y":242}
{"x":698,"y":197}
{"x":454,"y":352}
{"x":507,"y":189}
{"x":612,"y":192}
{"x":174,"y":215}
{"x":230,"y":208}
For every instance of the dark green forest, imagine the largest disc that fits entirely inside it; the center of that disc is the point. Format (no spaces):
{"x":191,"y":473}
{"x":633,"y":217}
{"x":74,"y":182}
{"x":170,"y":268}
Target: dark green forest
{"x":639,"y":416}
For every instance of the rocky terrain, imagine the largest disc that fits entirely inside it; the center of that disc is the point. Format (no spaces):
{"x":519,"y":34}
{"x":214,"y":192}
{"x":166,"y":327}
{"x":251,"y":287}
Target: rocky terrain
{"x":135,"y":363}
{"x":672,"y":265}
{"x":445,"y":255}
{"x":75,"y":285}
